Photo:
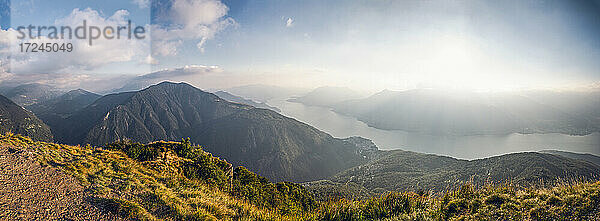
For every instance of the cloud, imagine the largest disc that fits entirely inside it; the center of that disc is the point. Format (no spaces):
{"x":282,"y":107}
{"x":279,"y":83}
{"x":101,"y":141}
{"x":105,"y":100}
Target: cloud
{"x":150,"y":60}
{"x":61,"y":80}
{"x":142,"y":3}
{"x":111,"y":83}
{"x":194,"y":20}
{"x":4,"y":75}
{"x":6,"y":39}
{"x":164,"y":47}
{"x":83,"y":57}
{"x":173,"y":74}
{"x":289,"y":22}
{"x":186,"y":71}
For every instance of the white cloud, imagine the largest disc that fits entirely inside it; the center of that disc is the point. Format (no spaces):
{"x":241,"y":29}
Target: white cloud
{"x":108,"y":83}
{"x":60,"y":80}
{"x":289,"y":23}
{"x":198,"y":20}
{"x":84,"y":56}
{"x":6,"y":36}
{"x":142,"y":3}
{"x":4,"y":75}
{"x":185,"y":73}
{"x":174,"y":73}
{"x":150,"y":60}
{"x":197,"y":13}
{"x":165,"y":48}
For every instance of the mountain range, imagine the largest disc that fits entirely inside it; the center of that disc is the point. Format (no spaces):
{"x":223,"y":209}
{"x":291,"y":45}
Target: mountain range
{"x":462,"y":113}
{"x":264,"y":93}
{"x":28,"y":94}
{"x":237,"y":99}
{"x":275,"y":146}
{"x":282,"y":148}
{"x":54,"y":111}
{"x":327,"y":96}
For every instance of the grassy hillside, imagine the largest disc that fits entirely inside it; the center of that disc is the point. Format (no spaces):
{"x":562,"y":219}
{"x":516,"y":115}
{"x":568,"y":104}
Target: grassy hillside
{"x":399,"y":170}
{"x":167,"y":180}
{"x":177,"y":180}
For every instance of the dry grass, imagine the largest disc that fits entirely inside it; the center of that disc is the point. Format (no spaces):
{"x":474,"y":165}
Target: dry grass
{"x":158,"y":190}
{"x":152,"y":190}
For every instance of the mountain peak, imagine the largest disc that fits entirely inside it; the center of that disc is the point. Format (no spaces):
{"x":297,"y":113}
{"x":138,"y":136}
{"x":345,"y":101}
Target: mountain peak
{"x":276,"y":146}
{"x":170,"y":83}
{"x":77,"y":92}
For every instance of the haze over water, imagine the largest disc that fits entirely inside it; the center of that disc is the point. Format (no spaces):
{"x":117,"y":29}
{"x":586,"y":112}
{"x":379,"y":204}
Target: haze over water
{"x":465,"y":147}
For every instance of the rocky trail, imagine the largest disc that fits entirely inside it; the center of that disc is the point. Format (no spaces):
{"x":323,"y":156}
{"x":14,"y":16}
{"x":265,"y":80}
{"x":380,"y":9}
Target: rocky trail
{"x":30,"y":191}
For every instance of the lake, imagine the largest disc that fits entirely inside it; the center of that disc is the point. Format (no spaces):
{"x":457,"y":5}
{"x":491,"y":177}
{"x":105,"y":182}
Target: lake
{"x":464,"y":147}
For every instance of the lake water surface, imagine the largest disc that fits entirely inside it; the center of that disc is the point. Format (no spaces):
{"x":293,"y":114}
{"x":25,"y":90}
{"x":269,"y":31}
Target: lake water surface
{"x":465,"y":147}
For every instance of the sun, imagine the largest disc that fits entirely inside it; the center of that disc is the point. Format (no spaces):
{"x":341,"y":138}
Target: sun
{"x":456,"y":61}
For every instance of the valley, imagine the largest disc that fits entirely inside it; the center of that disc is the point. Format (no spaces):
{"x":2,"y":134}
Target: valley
{"x":173,"y":151}
{"x":276,"y":110}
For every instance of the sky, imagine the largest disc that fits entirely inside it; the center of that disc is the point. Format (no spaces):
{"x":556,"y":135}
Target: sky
{"x":367,"y":45}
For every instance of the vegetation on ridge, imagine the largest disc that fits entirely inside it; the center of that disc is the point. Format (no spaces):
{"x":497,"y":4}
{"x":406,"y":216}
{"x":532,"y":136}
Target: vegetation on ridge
{"x":177,"y":180}
{"x":14,"y":118}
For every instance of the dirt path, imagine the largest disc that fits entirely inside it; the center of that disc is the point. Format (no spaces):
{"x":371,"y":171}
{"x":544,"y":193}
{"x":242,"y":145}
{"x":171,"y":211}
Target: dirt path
{"x":29,"y":191}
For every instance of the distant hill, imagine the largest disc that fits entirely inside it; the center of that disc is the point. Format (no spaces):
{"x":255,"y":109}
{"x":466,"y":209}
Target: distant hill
{"x":327,"y":96}
{"x":15,"y":119}
{"x":65,"y":104}
{"x":401,"y":170}
{"x":463,"y":113}
{"x":28,"y":94}
{"x":579,"y":156}
{"x":264,"y":93}
{"x":54,"y":111}
{"x":74,"y":128}
{"x":275,"y":146}
{"x":576,"y":103}
{"x":237,"y":99}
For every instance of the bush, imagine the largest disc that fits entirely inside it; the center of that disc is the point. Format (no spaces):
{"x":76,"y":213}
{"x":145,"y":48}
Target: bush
{"x":209,"y":169}
{"x":495,"y":199}
{"x":285,"y":197}
{"x":136,"y":151}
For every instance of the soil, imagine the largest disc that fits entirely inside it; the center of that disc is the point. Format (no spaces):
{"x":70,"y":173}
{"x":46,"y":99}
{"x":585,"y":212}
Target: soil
{"x":30,"y":191}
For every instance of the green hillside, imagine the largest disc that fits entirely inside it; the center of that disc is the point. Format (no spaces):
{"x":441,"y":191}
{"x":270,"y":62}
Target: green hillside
{"x":579,"y":156}
{"x":399,"y":170}
{"x":180,"y":181}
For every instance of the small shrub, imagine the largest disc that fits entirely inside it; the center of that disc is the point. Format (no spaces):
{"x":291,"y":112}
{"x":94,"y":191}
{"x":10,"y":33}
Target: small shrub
{"x":136,"y":151}
{"x":124,"y":208}
{"x":554,"y":201}
{"x":495,"y":199}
